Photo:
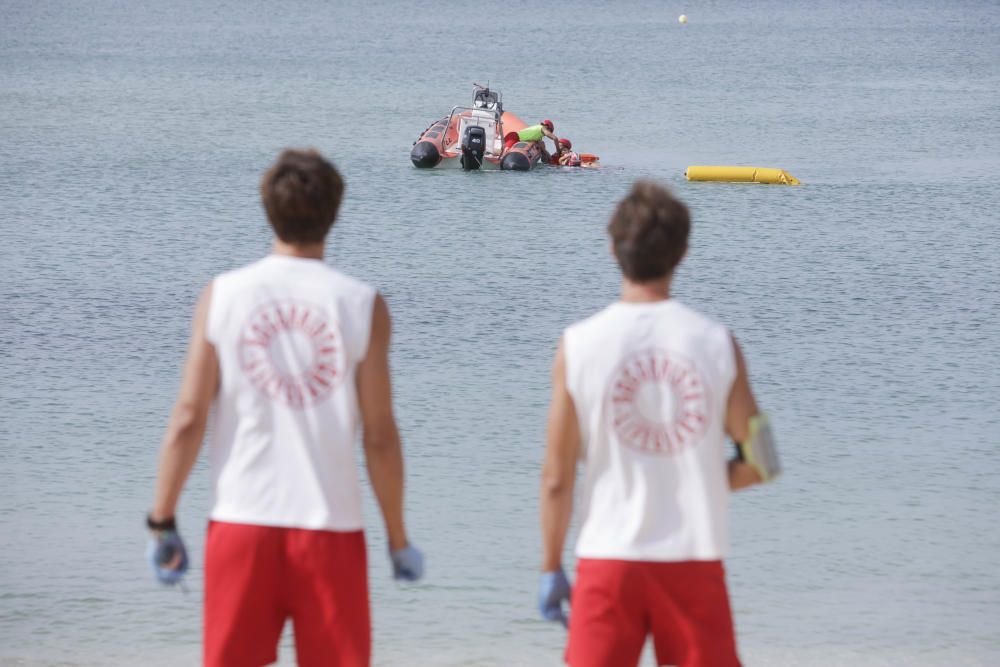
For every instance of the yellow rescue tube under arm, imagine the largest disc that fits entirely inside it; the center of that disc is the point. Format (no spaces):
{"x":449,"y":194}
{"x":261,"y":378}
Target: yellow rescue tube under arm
{"x":741,"y":175}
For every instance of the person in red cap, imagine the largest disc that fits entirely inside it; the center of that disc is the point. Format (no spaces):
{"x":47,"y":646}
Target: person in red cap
{"x":533,"y":133}
{"x":565,"y":156}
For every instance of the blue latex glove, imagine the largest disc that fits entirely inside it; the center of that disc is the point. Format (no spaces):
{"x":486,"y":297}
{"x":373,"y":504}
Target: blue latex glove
{"x":167,"y":556}
{"x":552,"y":590}
{"x":407,"y":563}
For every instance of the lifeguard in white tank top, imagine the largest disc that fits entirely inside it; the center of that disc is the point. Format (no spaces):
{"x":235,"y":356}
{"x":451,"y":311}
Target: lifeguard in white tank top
{"x":650,"y":383}
{"x":644,"y":396}
{"x":289,"y":358}
{"x":289,"y":333}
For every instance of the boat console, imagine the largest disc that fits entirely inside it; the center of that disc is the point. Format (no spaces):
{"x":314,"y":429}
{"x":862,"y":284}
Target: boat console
{"x":480,"y":128}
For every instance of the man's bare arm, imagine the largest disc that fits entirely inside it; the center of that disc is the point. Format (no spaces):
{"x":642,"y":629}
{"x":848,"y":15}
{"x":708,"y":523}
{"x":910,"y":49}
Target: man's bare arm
{"x":741,"y":407}
{"x":383,"y":449}
{"x":546,"y":132}
{"x":182,"y":441}
{"x":562,"y":447}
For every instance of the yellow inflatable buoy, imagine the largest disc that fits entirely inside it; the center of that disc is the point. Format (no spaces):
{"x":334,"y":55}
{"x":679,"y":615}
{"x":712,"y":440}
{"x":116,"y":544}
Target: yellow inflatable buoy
{"x":741,"y":175}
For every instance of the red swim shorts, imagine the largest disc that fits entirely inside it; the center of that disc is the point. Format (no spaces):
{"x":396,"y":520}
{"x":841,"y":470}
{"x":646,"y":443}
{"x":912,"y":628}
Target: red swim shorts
{"x":256,"y":577}
{"x":684,"y":605}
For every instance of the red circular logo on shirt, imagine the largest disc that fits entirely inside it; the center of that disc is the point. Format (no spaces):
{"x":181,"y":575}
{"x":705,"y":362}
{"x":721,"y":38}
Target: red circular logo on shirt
{"x":292,"y":352}
{"x":659,"y":403}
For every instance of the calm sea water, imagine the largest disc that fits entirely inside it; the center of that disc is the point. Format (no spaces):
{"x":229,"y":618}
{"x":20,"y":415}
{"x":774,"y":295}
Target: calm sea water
{"x":132,"y":138}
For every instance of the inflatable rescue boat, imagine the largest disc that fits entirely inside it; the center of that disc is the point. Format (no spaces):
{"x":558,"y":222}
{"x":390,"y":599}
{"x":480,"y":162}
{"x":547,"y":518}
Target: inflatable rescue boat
{"x":471,"y":138}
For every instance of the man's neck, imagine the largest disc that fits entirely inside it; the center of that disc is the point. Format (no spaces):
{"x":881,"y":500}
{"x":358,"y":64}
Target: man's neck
{"x":646,"y":292}
{"x":306,"y":251}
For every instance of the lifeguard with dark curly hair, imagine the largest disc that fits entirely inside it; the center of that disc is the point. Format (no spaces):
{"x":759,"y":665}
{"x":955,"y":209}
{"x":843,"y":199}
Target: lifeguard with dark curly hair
{"x":644,"y":394}
{"x":291,"y":356}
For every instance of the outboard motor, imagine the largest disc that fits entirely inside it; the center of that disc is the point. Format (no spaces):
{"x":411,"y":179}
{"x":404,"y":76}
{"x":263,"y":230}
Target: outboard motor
{"x":473,"y":147}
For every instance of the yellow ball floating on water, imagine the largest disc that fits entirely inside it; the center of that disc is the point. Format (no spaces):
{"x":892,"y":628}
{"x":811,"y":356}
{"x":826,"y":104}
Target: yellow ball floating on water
{"x":682,"y":18}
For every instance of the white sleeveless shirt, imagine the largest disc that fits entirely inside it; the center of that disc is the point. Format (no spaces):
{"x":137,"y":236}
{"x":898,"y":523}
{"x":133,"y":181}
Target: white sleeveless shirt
{"x":289,"y":333}
{"x":650,"y":383}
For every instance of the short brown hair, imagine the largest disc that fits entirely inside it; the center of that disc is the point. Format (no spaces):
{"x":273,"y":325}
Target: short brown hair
{"x":301,"y":193}
{"x":649,"y":230}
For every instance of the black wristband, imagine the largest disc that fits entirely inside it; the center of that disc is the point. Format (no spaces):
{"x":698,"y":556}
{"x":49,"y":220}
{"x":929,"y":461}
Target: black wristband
{"x":739,"y":452}
{"x":166,"y":524}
